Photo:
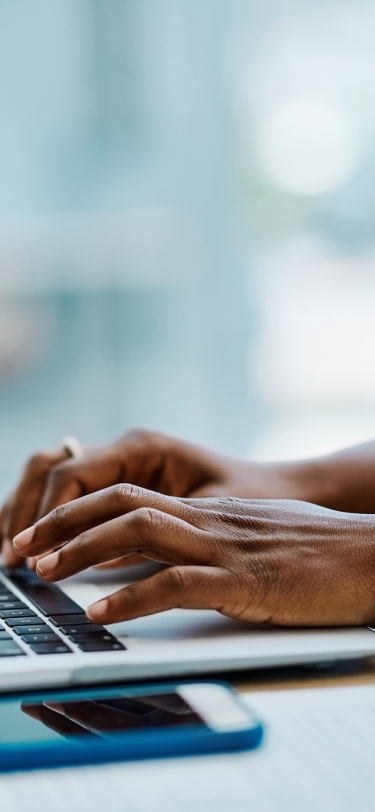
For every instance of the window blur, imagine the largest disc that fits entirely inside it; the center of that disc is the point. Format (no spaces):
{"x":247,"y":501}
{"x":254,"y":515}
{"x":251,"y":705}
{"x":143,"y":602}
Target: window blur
{"x":187,"y":223}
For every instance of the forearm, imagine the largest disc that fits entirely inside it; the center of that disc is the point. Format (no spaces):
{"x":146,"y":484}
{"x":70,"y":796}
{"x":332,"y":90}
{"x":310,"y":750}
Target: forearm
{"x":343,"y":481}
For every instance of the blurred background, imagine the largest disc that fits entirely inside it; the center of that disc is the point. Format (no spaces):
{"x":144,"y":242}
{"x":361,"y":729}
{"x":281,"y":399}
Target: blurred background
{"x":187,"y":223}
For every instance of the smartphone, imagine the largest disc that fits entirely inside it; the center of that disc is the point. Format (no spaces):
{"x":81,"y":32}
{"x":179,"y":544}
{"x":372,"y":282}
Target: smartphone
{"x":85,"y":726}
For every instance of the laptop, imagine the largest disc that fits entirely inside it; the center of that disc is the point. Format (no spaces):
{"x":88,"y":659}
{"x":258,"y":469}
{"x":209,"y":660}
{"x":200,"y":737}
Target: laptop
{"x":46,"y":640}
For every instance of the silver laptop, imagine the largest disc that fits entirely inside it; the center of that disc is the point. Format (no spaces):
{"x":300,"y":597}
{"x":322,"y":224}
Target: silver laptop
{"x":46,"y":639}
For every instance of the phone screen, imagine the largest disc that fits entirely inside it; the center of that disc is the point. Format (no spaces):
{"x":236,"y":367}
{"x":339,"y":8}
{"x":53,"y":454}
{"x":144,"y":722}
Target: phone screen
{"x":103,"y":716}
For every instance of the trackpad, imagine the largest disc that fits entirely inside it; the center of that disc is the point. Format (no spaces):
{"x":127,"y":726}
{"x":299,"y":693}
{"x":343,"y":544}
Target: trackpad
{"x":180,"y":624}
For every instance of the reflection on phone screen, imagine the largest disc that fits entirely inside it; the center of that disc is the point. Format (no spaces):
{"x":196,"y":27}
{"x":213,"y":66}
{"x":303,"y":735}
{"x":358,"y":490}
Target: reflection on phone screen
{"x":106,"y":717}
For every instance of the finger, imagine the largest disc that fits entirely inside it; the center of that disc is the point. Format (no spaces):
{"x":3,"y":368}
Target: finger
{"x":148,"y":532}
{"x":73,"y":478}
{"x":118,"y":563}
{"x":175,"y":588}
{"x":10,"y":557}
{"x":32,"y":562}
{"x":69,"y":520}
{"x":25,"y":501}
{"x":4,"y":519}
{"x":137,"y":458}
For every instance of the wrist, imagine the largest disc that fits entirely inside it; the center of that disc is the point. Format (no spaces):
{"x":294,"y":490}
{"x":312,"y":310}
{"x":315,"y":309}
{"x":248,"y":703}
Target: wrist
{"x":305,"y":481}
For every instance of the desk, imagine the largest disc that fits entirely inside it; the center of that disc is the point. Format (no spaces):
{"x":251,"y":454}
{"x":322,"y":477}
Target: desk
{"x":307,"y":761}
{"x":345,"y":674}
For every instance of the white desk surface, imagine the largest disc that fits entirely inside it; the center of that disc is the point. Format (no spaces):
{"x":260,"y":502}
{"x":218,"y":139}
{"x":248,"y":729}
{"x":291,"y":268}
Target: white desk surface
{"x":317,"y":756}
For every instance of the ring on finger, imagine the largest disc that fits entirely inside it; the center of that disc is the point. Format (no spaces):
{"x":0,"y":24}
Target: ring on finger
{"x":73,"y":447}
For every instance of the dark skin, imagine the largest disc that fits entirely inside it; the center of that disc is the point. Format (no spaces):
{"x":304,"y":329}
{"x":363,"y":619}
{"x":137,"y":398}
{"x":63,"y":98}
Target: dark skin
{"x":295,"y":547}
{"x":279,"y":561}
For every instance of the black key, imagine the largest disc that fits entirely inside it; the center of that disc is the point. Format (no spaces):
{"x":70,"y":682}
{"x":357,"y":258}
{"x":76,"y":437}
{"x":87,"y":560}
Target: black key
{"x":37,"y":629}
{"x":9,"y":648}
{"x":41,"y":638}
{"x":60,"y":609}
{"x":91,"y":637}
{"x":5,"y":635}
{"x":66,"y":620}
{"x":12,"y":605}
{"x":81,"y":629}
{"x":47,"y":597}
{"x":6,"y":613}
{"x":24,"y":621}
{"x":101,"y":645}
{"x":7,"y":596}
{"x":51,"y":648}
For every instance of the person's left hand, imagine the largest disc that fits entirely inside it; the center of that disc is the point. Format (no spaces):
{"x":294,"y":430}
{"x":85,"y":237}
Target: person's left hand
{"x":279,"y":561}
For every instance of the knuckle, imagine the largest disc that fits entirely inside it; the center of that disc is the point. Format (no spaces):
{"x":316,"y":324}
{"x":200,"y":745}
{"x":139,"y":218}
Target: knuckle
{"x":58,"y":474}
{"x":145,"y":437}
{"x":150,"y":519}
{"x":58,"y":517}
{"x":124,"y":492}
{"x":142,"y":518}
{"x":139,"y":435}
{"x":81,"y":545}
{"x":155,"y":518}
{"x":178,"y":579}
{"x":38,"y":463}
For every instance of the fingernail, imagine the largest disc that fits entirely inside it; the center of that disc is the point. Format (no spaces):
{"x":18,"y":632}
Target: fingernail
{"x":97,"y":610}
{"x":47,"y":564}
{"x":23,"y":539}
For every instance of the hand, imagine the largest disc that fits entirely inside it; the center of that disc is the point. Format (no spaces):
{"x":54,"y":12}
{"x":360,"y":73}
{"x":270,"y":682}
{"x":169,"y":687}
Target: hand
{"x":144,"y":458}
{"x":22,"y":506}
{"x":278,"y":561}
{"x":343,"y":481}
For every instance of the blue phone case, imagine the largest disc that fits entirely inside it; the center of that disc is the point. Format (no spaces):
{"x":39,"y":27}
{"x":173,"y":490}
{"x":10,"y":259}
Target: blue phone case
{"x":133,"y":745}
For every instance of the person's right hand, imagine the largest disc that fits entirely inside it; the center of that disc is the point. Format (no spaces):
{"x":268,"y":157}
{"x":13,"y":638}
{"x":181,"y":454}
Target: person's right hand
{"x":145,"y":458}
{"x":279,"y":561}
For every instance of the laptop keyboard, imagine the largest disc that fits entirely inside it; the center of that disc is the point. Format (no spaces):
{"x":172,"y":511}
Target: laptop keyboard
{"x":38,"y":618}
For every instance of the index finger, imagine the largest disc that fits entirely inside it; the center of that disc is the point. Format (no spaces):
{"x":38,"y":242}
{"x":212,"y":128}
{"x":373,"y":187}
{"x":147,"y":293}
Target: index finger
{"x":69,"y":520}
{"x":74,"y":478}
{"x":10,"y":557}
{"x":21,"y":509}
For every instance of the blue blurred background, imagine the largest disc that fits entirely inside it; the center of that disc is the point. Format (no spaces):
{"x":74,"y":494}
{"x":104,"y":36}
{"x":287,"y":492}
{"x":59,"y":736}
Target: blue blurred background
{"x":187,"y":223}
